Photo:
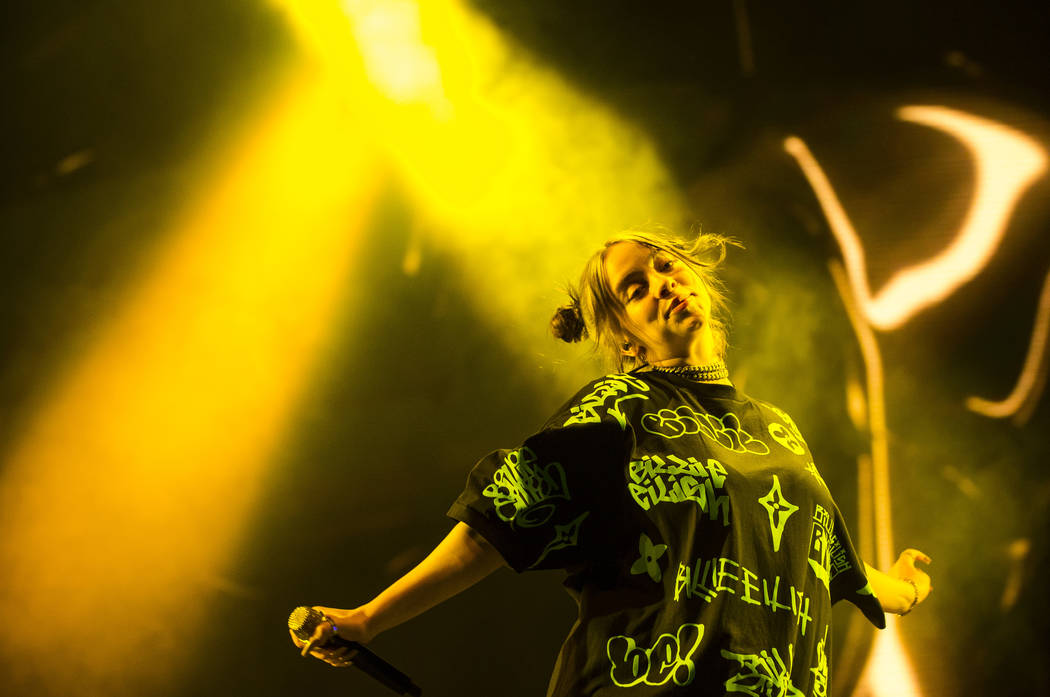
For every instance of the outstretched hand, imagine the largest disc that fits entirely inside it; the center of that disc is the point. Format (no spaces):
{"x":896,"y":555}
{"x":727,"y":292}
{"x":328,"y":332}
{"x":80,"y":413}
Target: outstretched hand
{"x":348,"y":624}
{"x":904,"y":569}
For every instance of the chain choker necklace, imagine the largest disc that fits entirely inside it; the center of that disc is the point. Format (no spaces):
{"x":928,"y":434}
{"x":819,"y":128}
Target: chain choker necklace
{"x":700,"y":373}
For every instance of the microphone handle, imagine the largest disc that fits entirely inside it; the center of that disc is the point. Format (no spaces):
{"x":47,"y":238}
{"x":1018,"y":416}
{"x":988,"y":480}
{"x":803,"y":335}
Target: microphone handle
{"x":376,"y":667}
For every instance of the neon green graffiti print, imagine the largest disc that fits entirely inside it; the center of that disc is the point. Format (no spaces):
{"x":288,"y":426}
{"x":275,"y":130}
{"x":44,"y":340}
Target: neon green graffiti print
{"x":670,"y":658}
{"x":684,"y":421}
{"x":655,"y":480}
{"x":522,"y":491}
{"x":839,"y":558}
{"x":867,"y":590}
{"x":820,"y":546}
{"x":820,"y":672}
{"x":721,"y":575}
{"x":763,"y":674}
{"x":647,"y":562}
{"x":779,"y":509}
{"x":789,"y":421}
{"x":786,"y":438}
{"x":567,"y":535}
{"x":614,"y":388}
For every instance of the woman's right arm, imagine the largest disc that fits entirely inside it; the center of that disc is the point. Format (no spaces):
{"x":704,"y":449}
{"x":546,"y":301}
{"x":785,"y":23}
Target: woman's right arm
{"x":462,"y":559}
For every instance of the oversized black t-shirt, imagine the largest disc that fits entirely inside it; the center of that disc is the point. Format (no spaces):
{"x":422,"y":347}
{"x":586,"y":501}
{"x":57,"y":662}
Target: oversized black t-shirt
{"x":700,"y":541}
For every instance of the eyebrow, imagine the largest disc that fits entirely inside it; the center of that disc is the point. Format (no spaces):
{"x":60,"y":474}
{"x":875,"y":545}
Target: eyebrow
{"x":632,"y":277}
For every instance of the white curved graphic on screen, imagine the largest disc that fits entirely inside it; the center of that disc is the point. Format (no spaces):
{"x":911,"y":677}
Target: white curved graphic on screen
{"x":1029,"y":386}
{"x":1006,"y":163}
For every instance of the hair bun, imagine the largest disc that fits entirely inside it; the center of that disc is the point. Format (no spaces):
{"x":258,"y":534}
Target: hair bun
{"x":567,"y":323}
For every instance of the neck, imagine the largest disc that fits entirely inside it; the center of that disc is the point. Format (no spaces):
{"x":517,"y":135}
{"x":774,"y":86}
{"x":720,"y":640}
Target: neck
{"x":699,"y":353}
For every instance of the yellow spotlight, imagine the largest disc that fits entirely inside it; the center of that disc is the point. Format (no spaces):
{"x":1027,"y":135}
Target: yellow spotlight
{"x":121,"y":503}
{"x":396,"y":59}
{"x":889,"y":672}
{"x":514,"y":173}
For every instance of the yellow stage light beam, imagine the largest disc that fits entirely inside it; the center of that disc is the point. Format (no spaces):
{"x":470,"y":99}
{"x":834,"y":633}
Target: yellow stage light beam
{"x":121,"y":503}
{"x":397,"y":61}
{"x":513,"y":172}
{"x":888,"y":673}
{"x":1006,"y":163}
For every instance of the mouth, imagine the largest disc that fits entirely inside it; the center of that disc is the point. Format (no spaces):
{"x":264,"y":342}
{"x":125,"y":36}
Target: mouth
{"x":677,"y":305}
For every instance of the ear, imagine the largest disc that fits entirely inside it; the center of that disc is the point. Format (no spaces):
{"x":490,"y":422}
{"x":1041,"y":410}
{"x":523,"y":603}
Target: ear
{"x":629,"y":347}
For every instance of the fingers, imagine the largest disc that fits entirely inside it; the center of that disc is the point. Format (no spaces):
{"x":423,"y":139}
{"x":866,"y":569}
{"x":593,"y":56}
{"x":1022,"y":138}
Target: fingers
{"x":340,"y":656}
{"x":320,"y":644}
{"x":914,"y":555}
{"x":342,"y":660}
{"x":907,"y":570}
{"x":311,"y":646}
{"x":321,"y":633}
{"x":317,"y":639}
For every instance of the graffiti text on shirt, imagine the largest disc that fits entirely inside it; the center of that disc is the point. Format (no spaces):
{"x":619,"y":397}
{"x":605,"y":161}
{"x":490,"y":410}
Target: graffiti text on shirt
{"x":615,"y":389}
{"x":685,"y":421}
{"x":788,"y":436}
{"x":522,"y":490}
{"x":670,"y":658}
{"x":788,"y":420}
{"x":781,"y":434}
{"x":820,"y":546}
{"x":763,"y":674}
{"x":820,"y":673}
{"x":839,"y":558}
{"x":676,"y":480}
{"x":707,"y":578}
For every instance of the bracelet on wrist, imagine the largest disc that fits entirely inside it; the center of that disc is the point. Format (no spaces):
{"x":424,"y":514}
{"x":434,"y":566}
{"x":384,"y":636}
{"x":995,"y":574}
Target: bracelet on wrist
{"x":915,"y":600}
{"x":326,"y":618}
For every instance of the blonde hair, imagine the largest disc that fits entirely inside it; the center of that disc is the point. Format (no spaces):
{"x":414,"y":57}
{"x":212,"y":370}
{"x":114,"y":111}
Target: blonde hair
{"x":596,"y":311}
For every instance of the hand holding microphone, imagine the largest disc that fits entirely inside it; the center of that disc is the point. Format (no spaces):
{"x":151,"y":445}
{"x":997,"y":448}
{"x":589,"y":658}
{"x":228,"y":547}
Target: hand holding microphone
{"x":315,"y":632}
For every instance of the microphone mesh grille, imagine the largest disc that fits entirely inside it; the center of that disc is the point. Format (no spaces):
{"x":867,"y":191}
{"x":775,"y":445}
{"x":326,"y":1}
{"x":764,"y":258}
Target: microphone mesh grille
{"x":303,"y":621}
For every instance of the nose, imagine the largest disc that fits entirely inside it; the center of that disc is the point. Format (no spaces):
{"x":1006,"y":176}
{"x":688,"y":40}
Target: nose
{"x":666,"y":287}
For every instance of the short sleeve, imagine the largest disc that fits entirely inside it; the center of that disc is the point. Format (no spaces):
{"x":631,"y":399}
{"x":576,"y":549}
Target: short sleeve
{"x":551,"y":503}
{"x":848,"y":578}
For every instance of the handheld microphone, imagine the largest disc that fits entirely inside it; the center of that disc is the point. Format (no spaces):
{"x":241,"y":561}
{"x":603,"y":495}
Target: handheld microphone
{"x":304,"y":620}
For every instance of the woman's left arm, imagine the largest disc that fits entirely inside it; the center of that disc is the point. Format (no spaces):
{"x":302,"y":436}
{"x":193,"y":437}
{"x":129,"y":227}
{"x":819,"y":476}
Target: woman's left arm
{"x":904,"y":586}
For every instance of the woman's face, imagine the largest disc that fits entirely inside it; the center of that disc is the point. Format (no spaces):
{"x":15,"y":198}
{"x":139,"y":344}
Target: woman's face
{"x":666,"y":304}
